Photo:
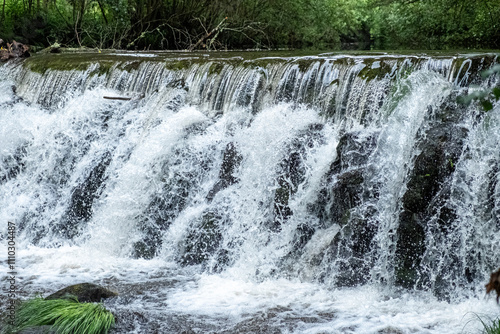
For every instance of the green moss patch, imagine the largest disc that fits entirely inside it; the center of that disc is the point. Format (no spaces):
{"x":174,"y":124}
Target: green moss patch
{"x":375,"y":69}
{"x":42,"y":65}
{"x":178,"y":64}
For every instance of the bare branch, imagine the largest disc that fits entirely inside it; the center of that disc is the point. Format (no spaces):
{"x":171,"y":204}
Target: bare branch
{"x":216,"y":29}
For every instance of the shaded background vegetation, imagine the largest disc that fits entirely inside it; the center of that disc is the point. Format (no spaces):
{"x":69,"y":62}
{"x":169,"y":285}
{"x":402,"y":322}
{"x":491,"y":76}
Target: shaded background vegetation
{"x":242,"y":24}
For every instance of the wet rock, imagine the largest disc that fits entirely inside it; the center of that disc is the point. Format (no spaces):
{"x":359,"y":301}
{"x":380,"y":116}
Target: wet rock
{"x":288,"y":181}
{"x":339,"y":202}
{"x":346,"y":195}
{"x":147,"y":248}
{"x":353,"y":150}
{"x":390,"y":330}
{"x":494,"y":208}
{"x":292,"y":173}
{"x":346,"y":176}
{"x":156,"y":220}
{"x":344,"y":181}
{"x":175,"y":183}
{"x":440,"y":148}
{"x":160,"y":213}
{"x":230,"y":162}
{"x":203,"y":241}
{"x":13,"y":164}
{"x":440,"y":152}
{"x":350,"y":250}
{"x":128,"y":321}
{"x":82,"y":198}
{"x":38,"y":330}
{"x":84,"y":292}
{"x":303,"y":234}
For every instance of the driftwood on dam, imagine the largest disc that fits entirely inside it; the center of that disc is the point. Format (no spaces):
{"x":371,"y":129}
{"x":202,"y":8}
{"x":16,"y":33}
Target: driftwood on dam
{"x":125,"y":98}
{"x":13,"y":50}
{"x":117,"y":98}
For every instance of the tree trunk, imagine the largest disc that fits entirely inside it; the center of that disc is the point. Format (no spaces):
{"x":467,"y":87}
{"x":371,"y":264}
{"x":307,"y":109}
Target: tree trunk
{"x":82,"y":11}
{"x":102,"y":11}
{"x":3,"y":11}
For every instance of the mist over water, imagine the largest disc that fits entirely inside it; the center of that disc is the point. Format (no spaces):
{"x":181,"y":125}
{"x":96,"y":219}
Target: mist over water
{"x":324,"y":194}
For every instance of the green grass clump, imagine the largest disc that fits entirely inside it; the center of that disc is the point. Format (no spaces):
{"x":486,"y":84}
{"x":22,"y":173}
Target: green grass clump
{"x":490,"y":325}
{"x":491,"y":328}
{"x":66,"y":316}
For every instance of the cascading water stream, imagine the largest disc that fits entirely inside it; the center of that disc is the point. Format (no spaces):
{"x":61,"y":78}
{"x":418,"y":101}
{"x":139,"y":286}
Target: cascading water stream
{"x":320,"y":194}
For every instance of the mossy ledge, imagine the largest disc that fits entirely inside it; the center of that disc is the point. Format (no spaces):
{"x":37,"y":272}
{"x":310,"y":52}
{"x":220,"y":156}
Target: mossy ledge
{"x":66,"y":62}
{"x":377,"y":65}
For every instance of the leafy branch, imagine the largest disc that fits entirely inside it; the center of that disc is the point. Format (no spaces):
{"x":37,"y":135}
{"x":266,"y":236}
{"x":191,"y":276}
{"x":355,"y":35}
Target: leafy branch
{"x":486,"y":97}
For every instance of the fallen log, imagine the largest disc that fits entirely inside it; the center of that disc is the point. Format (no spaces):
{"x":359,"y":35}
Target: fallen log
{"x":136,"y":96}
{"x":117,"y":98}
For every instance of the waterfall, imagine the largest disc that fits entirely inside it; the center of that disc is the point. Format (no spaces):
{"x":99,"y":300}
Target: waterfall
{"x":326,"y":175}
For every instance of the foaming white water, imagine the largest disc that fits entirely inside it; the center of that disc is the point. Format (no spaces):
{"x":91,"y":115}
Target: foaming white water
{"x":129,"y":189}
{"x":56,"y":155}
{"x":285,"y":305}
{"x":474,"y":196}
{"x":273,"y":130}
{"x":66,"y":265}
{"x":297,"y":307}
{"x":394,"y":152}
{"x":288,"y":306}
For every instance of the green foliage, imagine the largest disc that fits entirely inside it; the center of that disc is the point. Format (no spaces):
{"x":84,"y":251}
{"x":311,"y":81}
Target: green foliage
{"x":436,"y":24}
{"x":484,"y":96}
{"x":65,"y":316}
{"x":180,"y":24}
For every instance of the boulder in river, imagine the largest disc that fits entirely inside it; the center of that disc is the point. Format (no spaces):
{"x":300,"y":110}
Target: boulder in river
{"x":84,"y":292}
